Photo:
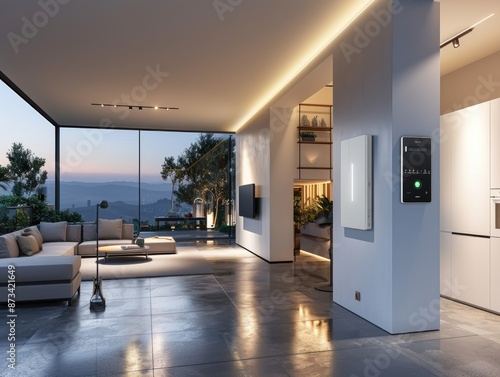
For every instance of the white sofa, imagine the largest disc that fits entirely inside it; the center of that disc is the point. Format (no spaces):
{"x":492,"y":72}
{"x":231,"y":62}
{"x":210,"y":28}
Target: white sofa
{"x":43,"y":263}
{"x":47,"y":258}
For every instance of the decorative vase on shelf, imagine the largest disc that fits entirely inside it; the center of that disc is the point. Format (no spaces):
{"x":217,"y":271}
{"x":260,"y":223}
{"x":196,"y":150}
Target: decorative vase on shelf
{"x":304,"y":121}
{"x":314,"y":122}
{"x":322,"y":123}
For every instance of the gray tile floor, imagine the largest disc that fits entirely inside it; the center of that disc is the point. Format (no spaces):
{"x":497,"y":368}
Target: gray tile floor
{"x":250,"y":318}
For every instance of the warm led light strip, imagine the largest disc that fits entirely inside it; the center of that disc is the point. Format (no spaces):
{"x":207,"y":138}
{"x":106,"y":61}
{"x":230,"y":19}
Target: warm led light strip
{"x":272,"y":93}
{"x":464,"y":32}
{"x":131,"y":107}
{"x":307,"y":253}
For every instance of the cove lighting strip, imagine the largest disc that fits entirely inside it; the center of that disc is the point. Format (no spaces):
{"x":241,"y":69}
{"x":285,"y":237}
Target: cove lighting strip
{"x":131,"y":107}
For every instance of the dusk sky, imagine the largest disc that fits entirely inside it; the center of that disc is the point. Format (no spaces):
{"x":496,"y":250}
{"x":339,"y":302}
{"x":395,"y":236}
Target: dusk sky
{"x":86,"y":155}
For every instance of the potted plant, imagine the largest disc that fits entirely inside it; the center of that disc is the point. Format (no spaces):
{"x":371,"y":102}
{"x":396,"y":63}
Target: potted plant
{"x":325,"y":214}
{"x":301,"y":216}
{"x":308,"y":136}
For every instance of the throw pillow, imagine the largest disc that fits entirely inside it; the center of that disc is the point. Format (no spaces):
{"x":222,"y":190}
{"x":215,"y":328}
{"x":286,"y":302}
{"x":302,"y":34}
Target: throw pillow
{"x":110,"y":229}
{"x":54,"y":232}
{"x":33,"y":230}
{"x":8,"y":246}
{"x":28,"y":245}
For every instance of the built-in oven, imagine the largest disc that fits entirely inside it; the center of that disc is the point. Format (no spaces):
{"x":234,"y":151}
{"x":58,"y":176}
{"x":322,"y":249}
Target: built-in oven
{"x":495,"y":213}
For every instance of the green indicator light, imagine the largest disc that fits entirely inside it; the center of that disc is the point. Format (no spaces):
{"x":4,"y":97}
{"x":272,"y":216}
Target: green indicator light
{"x":417,"y":184}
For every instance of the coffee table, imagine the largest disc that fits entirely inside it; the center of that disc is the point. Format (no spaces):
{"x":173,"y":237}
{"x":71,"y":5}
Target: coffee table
{"x":128,"y":249}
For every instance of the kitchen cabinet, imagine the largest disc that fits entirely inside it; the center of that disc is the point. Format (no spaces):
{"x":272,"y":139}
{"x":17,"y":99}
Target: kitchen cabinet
{"x":495,"y":274}
{"x":495,"y":144}
{"x":470,"y":261}
{"x":446,"y":160}
{"x":445,"y":264}
{"x":470,"y":169}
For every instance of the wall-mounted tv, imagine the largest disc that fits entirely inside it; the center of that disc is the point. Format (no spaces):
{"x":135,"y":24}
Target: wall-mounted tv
{"x":246,"y":200}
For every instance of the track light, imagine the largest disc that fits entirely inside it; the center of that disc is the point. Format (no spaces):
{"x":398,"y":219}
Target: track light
{"x":131,"y":107}
{"x":455,"y":39}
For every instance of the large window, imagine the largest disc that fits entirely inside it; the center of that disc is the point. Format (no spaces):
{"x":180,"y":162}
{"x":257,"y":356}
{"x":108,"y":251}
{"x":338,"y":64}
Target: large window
{"x":147,"y":174}
{"x":100,"y":164}
{"x":20,"y":123}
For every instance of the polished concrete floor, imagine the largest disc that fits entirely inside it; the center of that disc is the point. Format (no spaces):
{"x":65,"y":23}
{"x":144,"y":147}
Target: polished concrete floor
{"x":249,"y":318}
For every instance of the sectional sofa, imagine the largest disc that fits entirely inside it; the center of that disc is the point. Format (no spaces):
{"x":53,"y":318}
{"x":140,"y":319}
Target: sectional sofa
{"x":43,"y":262}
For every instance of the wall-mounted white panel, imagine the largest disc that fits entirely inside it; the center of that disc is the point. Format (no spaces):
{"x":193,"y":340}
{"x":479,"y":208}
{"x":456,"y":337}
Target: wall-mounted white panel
{"x":356,"y":183}
{"x":470,"y":194}
{"x":445,"y":264}
{"x":495,"y":144}
{"x":495,"y":273}
{"x":471,"y":269}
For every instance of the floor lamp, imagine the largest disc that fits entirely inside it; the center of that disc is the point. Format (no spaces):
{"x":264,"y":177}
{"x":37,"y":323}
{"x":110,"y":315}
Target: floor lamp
{"x":97,"y":300}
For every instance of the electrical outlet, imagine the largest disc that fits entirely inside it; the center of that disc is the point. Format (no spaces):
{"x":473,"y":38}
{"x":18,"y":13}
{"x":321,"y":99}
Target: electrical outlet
{"x":357,"y":296}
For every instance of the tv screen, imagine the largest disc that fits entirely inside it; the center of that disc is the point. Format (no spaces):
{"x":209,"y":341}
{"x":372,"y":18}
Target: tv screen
{"x":246,"y":200}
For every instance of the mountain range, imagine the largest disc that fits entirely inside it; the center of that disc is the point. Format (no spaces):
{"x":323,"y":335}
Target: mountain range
{"x":82,"y":197}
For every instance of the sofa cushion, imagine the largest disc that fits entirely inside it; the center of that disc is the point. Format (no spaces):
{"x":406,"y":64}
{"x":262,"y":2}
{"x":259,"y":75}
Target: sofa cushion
{"x":74,"y":233}
{"x":127,"y":231}
{"x":8,"y":245}
{"x":57,"y":248}
{"x":34,"y":231}
{"x":110,"y":229}
{"x":53,"y":232}
{"x":87,"y":248}
{"x":28,"y":245}
{"x":88,"y":232}
{"x":46,"y":269}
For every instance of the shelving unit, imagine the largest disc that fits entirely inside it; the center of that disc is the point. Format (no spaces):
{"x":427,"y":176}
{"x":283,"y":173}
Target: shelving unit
{"x":322,"y":128}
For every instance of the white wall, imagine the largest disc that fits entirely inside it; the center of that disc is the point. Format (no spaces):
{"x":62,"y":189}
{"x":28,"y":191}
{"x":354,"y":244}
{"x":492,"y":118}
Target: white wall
{"x":389,"y":88}
{"x":476,"y":83}
{"x":253,"y":166}
{"x":265,"y":155}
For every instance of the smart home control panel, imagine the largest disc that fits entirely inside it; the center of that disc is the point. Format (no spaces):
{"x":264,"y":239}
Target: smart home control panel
{"x":416,"y":169}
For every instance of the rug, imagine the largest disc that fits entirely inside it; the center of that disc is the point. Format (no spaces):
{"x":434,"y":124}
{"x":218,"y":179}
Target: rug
{"x":185,"y":262}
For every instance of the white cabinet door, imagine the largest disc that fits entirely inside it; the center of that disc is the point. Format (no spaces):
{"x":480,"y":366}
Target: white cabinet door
{"x":470,"y":191}
{"x":495,"y":144}
{"x":470,"y":270}
{"x":495,"y":274}
{"x":445,"y":264}
{"x":446,"y":161}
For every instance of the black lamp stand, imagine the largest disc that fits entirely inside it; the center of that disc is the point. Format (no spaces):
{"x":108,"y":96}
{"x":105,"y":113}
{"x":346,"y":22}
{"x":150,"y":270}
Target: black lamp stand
{"x":97,"y":301}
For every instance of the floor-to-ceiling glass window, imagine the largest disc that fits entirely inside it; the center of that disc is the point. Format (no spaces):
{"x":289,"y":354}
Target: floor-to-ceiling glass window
{"x":163,"y":181}
{"x":26,"y":134}
{"x":186,"y":184}
{"x":100,"y":164}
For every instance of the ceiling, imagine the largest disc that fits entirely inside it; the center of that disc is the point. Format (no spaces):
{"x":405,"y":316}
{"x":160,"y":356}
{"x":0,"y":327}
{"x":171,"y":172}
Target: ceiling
{"x":218,"y":61}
